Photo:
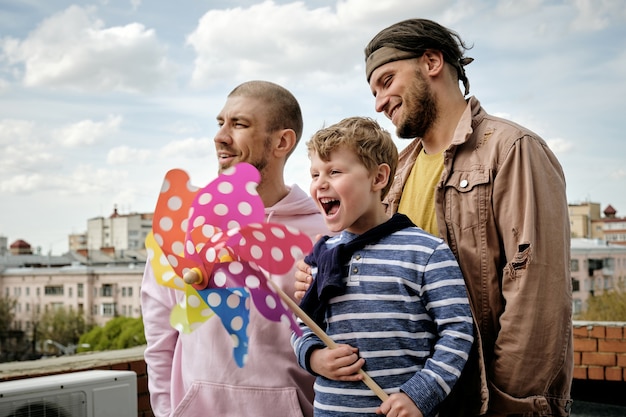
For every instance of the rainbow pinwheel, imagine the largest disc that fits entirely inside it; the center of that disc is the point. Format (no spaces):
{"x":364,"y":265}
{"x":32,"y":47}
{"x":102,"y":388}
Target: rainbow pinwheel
{"x":212,"y":243}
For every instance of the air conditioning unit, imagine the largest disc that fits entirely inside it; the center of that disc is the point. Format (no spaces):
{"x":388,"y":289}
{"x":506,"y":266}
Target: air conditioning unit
{"x":96,"y":393}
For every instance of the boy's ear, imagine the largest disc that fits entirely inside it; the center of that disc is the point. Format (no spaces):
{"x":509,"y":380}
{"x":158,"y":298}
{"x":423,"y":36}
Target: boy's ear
{"x":381,"y":177}
{"x":286,"y":142}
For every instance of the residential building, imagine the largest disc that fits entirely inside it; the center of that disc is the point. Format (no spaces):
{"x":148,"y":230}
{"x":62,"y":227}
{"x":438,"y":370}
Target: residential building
{"x":586,"y":221}
{"x":101,"y":293}
{"x":118,"y":231}
{"x":596,"y":267}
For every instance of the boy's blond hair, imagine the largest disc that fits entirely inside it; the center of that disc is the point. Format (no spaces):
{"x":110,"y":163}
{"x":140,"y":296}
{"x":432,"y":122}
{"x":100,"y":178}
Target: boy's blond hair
{"x":362,"y":135}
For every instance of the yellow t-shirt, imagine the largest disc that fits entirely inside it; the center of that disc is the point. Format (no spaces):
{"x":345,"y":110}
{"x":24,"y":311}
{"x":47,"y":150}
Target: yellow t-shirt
{"x":418,"y":195}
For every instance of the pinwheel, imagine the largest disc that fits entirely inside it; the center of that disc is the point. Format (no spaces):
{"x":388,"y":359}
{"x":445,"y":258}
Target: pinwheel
{"x":212,"y":243}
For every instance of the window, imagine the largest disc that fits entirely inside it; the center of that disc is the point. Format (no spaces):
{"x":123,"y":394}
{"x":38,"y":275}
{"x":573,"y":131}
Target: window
{"x":79,"y":291}
{"x":38,"y":291}
{"x":27,"y":291}
{"x":575,"y":285}
{"x":108,"y":309}
{"x":123,"y":291}
{"x":130,"y":291}
{"x":53,"y":290}
{"x":574,"y":265}
{"x":69,"y":292}
{"x":106,"y":290}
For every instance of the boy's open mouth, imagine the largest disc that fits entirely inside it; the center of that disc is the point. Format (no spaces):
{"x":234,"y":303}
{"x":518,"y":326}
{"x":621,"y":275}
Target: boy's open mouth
{"x":330,"y":205}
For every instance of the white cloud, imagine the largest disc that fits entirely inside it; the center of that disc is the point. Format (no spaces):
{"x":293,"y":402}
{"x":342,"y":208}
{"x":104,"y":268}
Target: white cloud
{"x":618,"y":174}
{"x":188,"y":148}
{"x":88,"y":132}
{"x":123,"y":155}
{"x":74,"y":49}
{"x":595,"y":15}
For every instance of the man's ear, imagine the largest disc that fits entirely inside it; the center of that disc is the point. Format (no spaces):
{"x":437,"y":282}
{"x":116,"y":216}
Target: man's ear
{"x":381,"y":177}
{"x":434,"y":61}
{"x":286,"y":142}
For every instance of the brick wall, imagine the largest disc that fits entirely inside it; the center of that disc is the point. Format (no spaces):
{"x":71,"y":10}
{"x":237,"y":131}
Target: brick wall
{"x":600,"y":351}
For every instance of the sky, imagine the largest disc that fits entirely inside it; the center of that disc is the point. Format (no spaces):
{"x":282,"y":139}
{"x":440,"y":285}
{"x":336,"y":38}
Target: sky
{"x":99,"y":99}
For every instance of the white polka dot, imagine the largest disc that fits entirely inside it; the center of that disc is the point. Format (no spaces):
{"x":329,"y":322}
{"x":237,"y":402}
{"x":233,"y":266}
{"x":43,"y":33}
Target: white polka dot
{"x":191,"y":187}
{"x":252,"y":281}
{"x":166,"y":223}
{"x":235,"y":340}
{"x":165,"y":186}
{"x":159,"y":239}
{"x":236,"y":323}
{"x":174,"y":203}
{"x":172,"y":261}
{"x":177,"y":247}
{"x":296,"y":252}
{"x":278,"y":232}
{"x":195,"y":326}
{"x":219,"y":278}
{"x":256,"y":252}
{"x":233,"y":301}
{"x":220,"y":209}
{"x":163,"y":260}
{"x":214,"y":299}
{"x":206,"y":312}
{"x":277,"y":254}
{"x":205,"y":198}
{"x":260,"y":236}
{"x":184,"y":224}
{"x":210,"y":255}
{"x":244,"y":208}
{"x":233,"y":224}
{"x":208,"y":231}
{"x":251,"y":188}
{"x":270,"y":302}
{"x":199,"y":221}
{"x":179,"y":327}
{"x":225,"y":187}
{"x":193,"y":300}
{"x":168,"y":276}
{"x":189,"y":248}
{"x":229,"y":171}
{"x":179,"y":283}
{"x":235,"y":268}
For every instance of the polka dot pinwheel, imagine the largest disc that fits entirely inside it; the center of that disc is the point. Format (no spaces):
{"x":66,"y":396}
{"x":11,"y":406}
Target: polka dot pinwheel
{"x":214,"y":245}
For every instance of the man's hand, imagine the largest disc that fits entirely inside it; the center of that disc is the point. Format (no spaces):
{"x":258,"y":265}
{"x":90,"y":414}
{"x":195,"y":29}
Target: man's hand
{"x":341,"y":363}
{"x":399,"y":405}
{"x":304,"y":279}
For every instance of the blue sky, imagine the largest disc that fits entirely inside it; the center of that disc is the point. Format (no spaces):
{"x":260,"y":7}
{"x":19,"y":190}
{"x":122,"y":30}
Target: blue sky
{"x":98,"y":99}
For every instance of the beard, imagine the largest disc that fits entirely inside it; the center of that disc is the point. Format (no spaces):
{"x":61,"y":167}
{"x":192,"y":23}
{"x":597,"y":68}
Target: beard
{"x":258,"y":161}
{"x":420,"y":110}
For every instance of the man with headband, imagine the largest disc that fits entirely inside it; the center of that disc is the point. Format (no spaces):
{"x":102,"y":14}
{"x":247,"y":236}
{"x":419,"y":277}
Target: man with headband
{"x":496,"y":193}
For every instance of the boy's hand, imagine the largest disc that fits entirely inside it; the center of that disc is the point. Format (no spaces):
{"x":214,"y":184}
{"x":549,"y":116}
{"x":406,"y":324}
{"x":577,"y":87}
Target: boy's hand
{"x":340,"y":364}
{"x":303,"y":279}
{"x":399,"y":405}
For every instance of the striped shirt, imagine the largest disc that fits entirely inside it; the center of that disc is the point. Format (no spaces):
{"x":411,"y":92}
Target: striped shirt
{"x":405,"y":308}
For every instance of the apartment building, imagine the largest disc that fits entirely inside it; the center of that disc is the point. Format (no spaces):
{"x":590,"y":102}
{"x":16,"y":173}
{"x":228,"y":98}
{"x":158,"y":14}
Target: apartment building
{"x":100,"y":293}
{"x":596,"y":267}
{"x":586,"y":221}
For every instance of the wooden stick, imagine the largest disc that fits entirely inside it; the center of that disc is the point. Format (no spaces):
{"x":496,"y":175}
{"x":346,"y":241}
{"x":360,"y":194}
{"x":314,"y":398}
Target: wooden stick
{"x":325,"y":338}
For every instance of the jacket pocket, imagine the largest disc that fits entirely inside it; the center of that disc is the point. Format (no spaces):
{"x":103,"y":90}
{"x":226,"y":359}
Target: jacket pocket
{"x":467,"y":197}
{"x":205,"y":399}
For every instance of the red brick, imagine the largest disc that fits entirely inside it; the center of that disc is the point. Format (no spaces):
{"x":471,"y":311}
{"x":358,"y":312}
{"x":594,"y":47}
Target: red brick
{"x":613,"y":373}
{"x":621,"y":360}
{"x":616,"y":346}
{"x":580,"y":372}
{"x":581,"y":331}
{"x":614,"y":332}
{"x":596,"y":372}
{"x":599,"y":358}
{"x":585,"y":345}
{"x":577,"y":358}
{"x":599,"y":332}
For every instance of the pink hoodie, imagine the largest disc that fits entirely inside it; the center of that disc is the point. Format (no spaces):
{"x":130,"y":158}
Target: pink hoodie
{"x":195,"y":374}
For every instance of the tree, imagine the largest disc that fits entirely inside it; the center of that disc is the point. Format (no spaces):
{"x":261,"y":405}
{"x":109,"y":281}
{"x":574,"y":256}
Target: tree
{"x":62,"y":325}
{"x":610,"y":306}
{"x":117,"y":333}
{"x":7,"y":313}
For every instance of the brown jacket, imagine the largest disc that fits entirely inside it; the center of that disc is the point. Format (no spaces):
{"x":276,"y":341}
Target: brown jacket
{"x":502,"y":208}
